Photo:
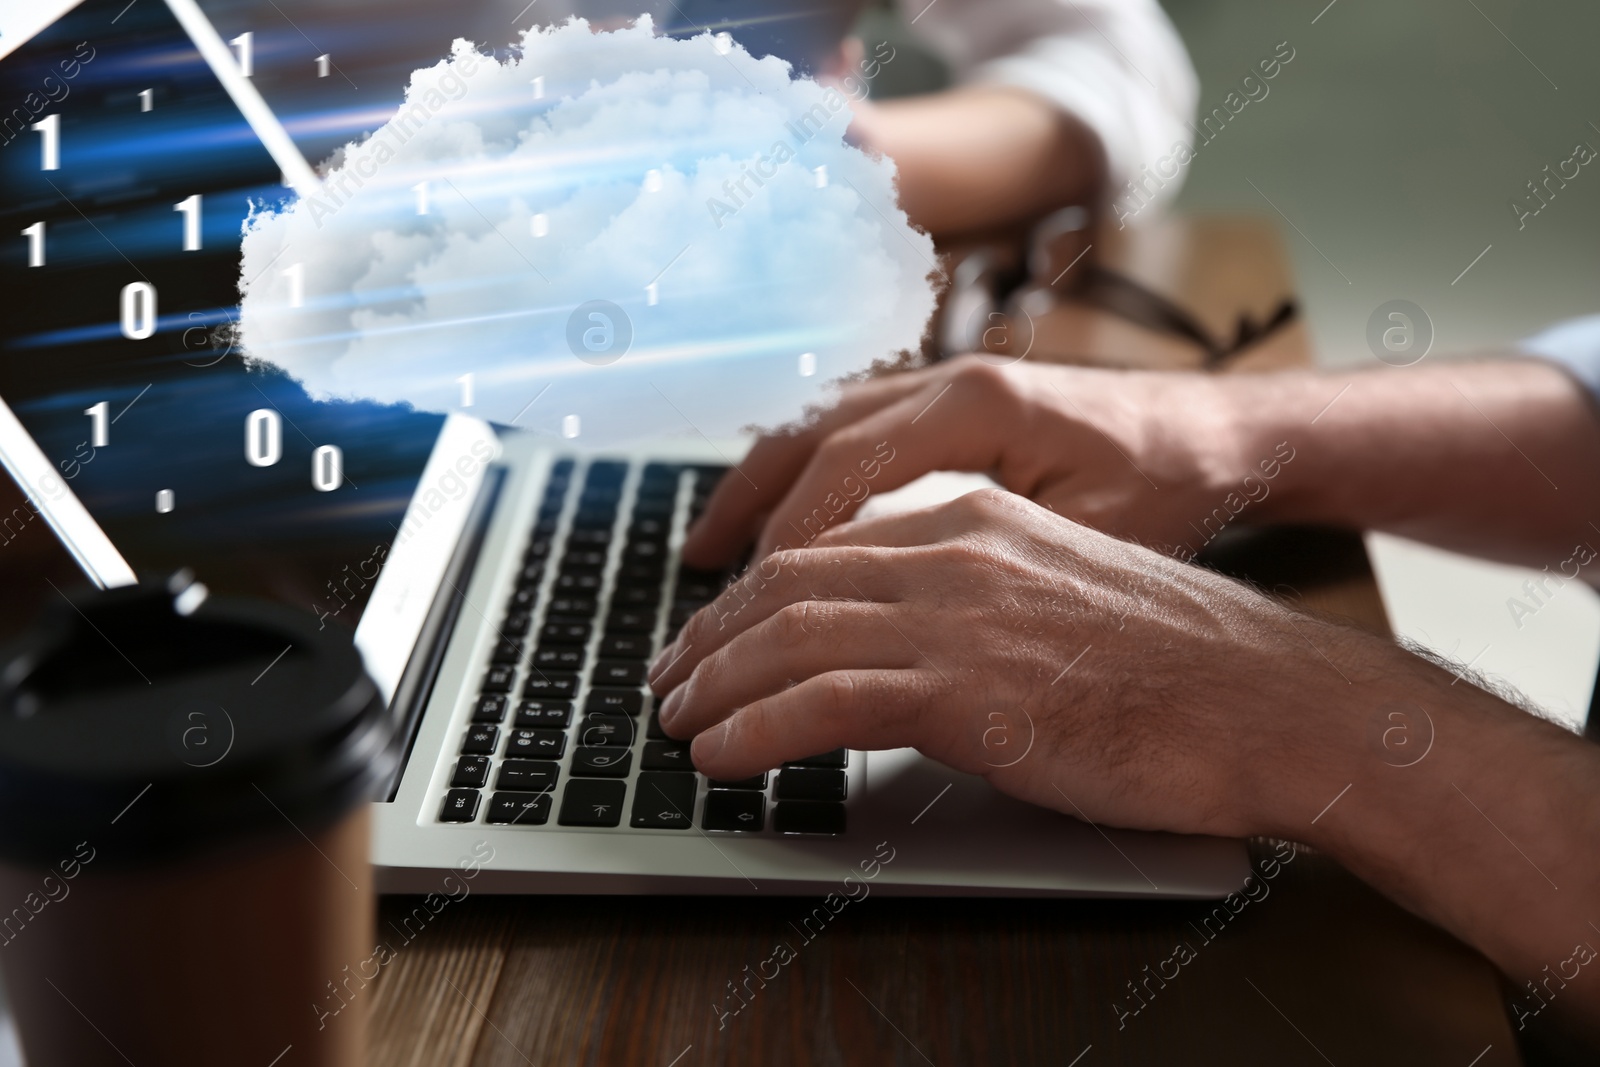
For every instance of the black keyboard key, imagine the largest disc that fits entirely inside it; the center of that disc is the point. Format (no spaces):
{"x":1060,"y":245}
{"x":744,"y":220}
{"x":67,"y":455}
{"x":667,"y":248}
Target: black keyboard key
{"x":574,"y":606}
{"x":663,"y":801}
{"x":527,"y":776}
{"x":682,"y":612}
{"x":609,"y":731}
{"x":649,"y":527}
{"x":558,"y":658}
{"x":621,"y":673}
{"x":489,"y":709}
{"x":614,"y":702}
{"x":630,"y":621}
{"x":755,"y":781}
{"x":530,"y":575}
{"x":508,"y":650}
{"x":547,"y":684}
{"x":612,"y":762}
{"x":569,"y":632}
{"x":810,"y":783}
{"x":654,"y":507}
{"x":654,"y":731}
{"x":592,"y":802}
{"x":547,"y":713}
{"x":480,"y":741}
{"x":836,"y":758}
{"x":460,"y":805}
{"x":641,"y":573}
{"x":519,"y":809}
{"x":537,"y":550}
{"x":644,"y":550}
{"x":535,"y":743}
{"x":807,"y":817}
{"x":626,"y":646}
{"x":471,"y":771}
{"x":524,"y":599}
{"x":734,"y":811}
{"x":666,"y":756}
{"x":577,"y":582}
{"x":517,"y":624}
{"x":583,"y":560}
{"x":699,"y":586}
{"x":606,"y":472}
{"x":591,"y":529}
{"x":499,"y":677}
{"x":636,"y":596}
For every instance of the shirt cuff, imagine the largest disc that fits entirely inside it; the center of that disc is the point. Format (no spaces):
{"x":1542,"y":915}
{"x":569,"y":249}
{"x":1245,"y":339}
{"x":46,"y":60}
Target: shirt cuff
{"x":1574,"y":345}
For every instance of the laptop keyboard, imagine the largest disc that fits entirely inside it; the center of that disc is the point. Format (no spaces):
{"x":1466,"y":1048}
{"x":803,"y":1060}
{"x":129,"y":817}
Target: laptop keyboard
{"x":562,"y":730}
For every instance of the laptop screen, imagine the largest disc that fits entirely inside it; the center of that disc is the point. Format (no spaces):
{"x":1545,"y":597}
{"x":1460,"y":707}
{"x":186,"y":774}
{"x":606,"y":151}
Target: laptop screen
{"x":127,"y":171}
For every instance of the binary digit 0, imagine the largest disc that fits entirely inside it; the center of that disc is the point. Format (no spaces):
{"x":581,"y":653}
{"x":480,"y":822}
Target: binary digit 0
{"x":327,"y":468}
{"x":138,"y":310}
{"x":263,"y":437}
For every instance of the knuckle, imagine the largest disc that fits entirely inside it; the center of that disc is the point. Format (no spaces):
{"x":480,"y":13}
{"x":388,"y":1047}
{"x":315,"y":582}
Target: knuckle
{"x":837,"y":694}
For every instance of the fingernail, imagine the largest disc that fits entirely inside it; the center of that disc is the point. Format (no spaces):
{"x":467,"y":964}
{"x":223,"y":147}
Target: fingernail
{"x":671,"y":706}
{"x":708,"y":746}
{"x":663,"y":658}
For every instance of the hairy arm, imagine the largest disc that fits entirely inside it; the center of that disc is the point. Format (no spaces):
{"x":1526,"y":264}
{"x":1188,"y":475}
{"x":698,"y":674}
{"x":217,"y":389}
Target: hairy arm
{"x":1498,"y":459}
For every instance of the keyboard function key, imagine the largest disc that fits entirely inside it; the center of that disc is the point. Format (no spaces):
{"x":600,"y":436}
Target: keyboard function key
{"x":471,"y":771}
{"x":480,"y":741}
{"x":460,"y":805}
{"x":490,"y":709}
{"x":731,"y":810}
{"x":592,"y":802}
{"x":663,"y":800}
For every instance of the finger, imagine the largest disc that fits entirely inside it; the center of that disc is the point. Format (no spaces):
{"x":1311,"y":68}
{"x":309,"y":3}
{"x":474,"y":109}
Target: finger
{"x":963,"y":424}
{"x":732,"y":515}
{"x":781,"y":579}
{"x":908,"y":529}
{"x":800,"y":641}
{"x":873,"y":709}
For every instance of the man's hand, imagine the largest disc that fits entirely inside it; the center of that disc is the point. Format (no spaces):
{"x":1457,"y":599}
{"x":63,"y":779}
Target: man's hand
{"x":1072,"y":670}
{"x":1139,"y":455}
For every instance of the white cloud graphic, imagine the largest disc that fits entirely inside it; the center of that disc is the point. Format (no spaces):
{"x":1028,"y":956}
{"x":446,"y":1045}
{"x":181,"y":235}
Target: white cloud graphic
{"x":754,"y":254}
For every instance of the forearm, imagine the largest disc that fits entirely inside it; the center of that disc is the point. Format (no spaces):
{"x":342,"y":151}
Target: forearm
{"x":977,"y":158}
{"x":1499,"y":459}
{"x":1462,"y":808}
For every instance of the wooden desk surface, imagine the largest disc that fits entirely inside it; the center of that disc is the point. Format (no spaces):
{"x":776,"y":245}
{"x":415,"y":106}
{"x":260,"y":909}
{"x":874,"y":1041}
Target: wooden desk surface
{"x":1320,"y":970}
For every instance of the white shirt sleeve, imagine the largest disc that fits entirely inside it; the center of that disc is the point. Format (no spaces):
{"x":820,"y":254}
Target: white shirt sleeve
{"x":1575,"y":345}
{"x":1116,"y":65}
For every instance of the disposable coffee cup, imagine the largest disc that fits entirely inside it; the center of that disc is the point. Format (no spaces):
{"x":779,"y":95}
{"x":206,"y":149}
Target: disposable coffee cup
{"x":184,"y":866}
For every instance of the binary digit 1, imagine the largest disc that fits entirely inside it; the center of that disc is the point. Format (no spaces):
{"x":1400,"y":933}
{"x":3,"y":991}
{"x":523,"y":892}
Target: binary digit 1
{"x":819,"y":175}
{"x":571,"y":425}
{"x":49,"y":129}
{"x":327,"y":468}
{"x":296,"y":273}
{"x":263,"y":437}
{"x":190,"y":209}
{"x":538,"y":87}
{"x":322,"y":65}
{"x":539,"y":225}
{"x":466,"y":390}
{"x":245,"y":44}
{"x":35,"y":236}
{"x":652,"y":295}
{"x":99,"y":424}
{"x":165,"y":501}
{"x":421,"y":189}
{"x":138,"y":310}
{"x":147,"y":99}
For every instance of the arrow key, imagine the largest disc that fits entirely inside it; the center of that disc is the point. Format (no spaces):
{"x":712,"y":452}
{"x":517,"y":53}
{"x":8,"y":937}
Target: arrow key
{"x":734,"y":810}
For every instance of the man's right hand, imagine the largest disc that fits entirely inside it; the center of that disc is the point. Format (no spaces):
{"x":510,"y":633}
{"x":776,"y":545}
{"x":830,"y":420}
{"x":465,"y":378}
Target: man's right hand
{"x":1137,"y":455}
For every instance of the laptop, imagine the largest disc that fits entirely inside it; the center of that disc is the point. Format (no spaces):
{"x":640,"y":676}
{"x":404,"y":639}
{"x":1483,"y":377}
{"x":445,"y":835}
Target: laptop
{"x":505,"y":591}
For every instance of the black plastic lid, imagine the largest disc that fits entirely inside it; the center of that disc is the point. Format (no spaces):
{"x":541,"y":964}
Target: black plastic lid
{"x":156,"y":722}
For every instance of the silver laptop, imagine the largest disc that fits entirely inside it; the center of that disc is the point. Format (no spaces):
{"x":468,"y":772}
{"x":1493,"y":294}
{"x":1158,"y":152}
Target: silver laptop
{"x":515,"y":592}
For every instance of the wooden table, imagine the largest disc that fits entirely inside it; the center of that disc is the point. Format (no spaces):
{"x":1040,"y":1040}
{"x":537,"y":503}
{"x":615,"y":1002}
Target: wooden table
{"x":1319,"y":971}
